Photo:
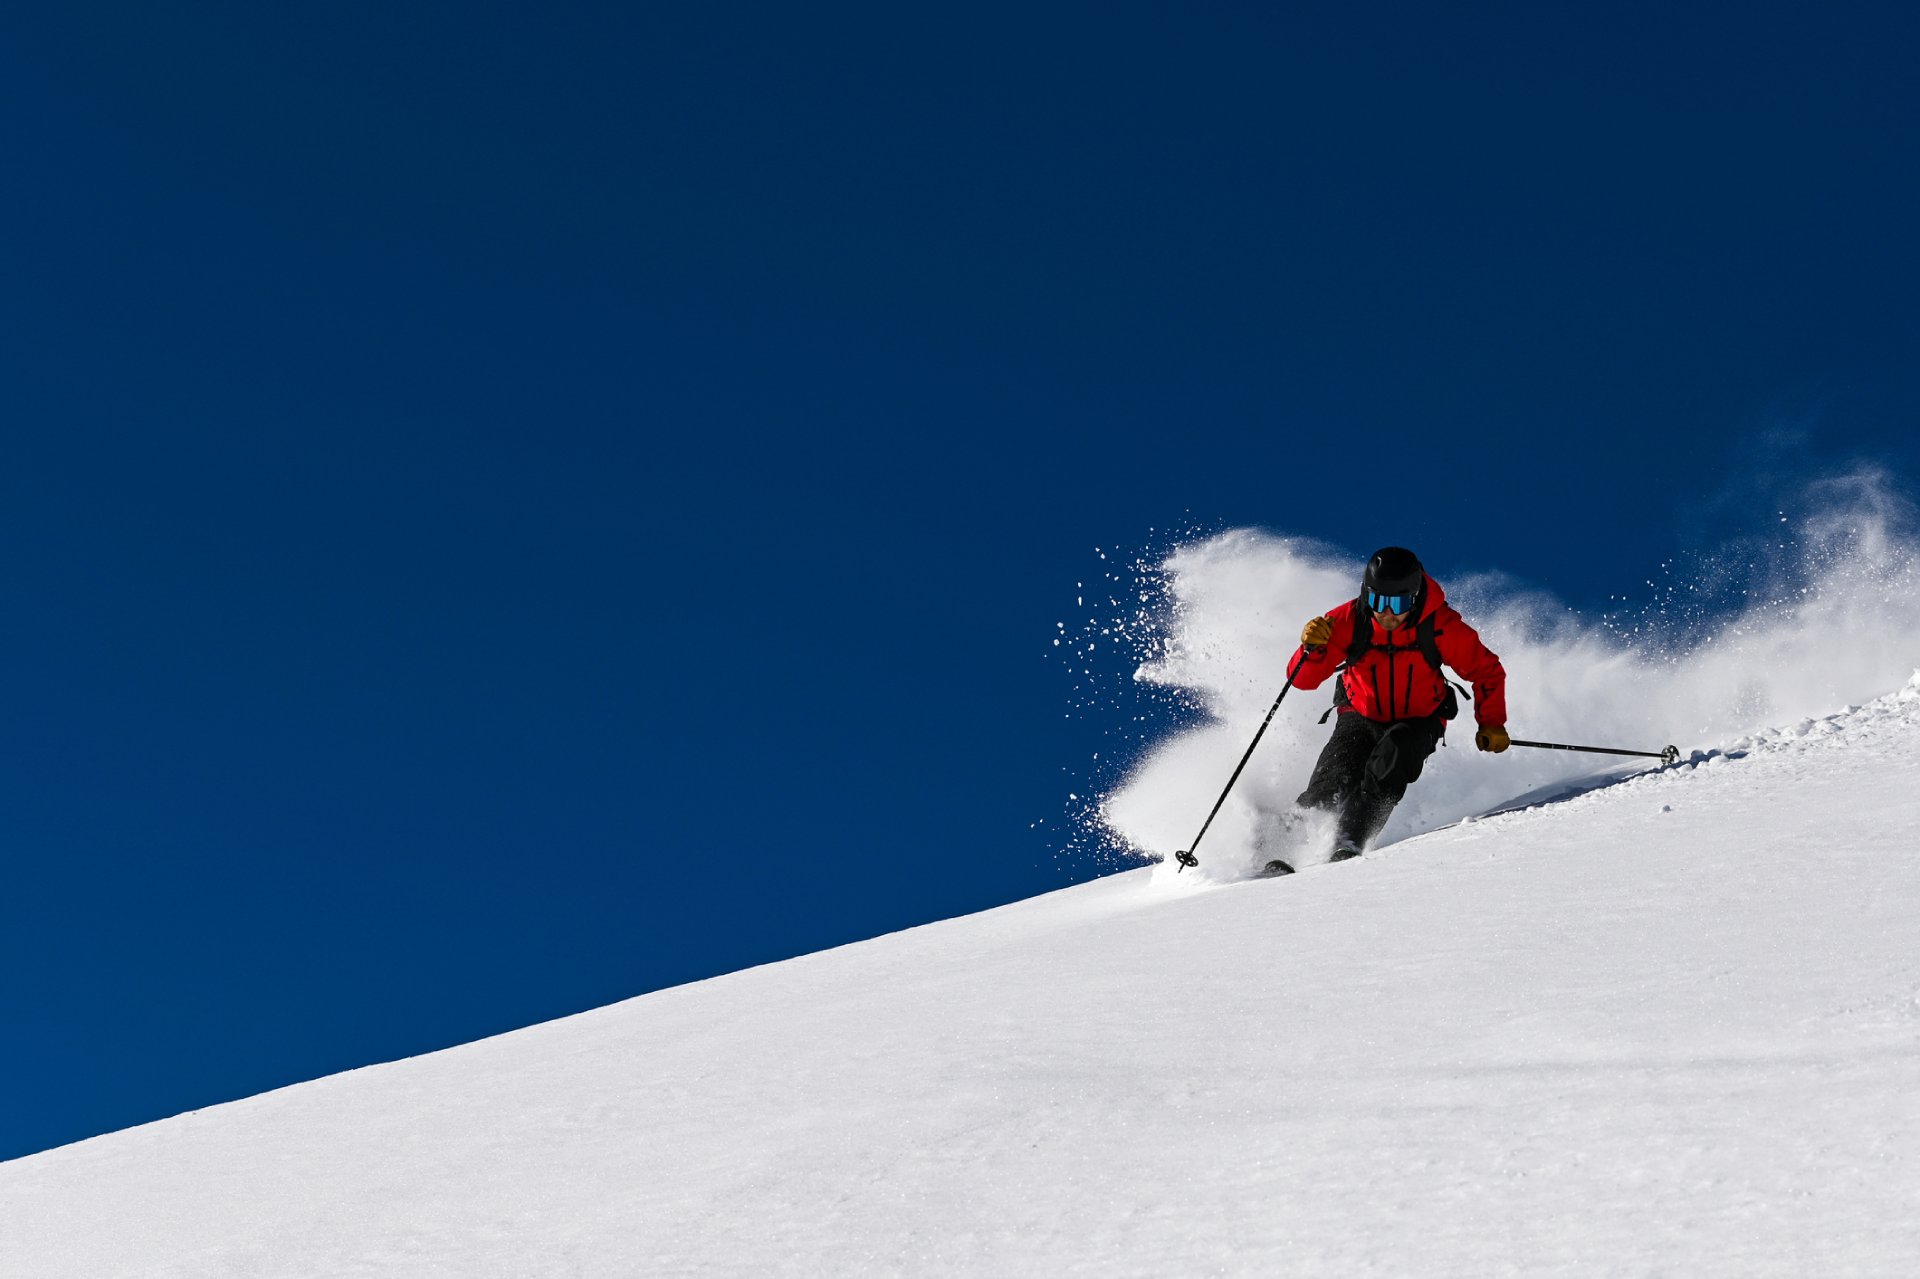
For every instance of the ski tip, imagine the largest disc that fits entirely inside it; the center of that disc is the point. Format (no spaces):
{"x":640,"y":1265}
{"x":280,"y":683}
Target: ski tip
{"x":1276,"y":867}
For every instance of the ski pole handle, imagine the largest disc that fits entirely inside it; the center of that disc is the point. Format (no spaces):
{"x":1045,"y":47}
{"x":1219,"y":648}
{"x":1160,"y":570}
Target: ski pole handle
{"x":1671,"y":755}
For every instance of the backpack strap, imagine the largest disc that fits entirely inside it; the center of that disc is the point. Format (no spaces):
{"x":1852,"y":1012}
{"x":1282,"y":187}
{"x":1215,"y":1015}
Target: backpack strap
{"x":1362,"y":633}
{"x":1357,"y":648}
{"x":1425,"y":638}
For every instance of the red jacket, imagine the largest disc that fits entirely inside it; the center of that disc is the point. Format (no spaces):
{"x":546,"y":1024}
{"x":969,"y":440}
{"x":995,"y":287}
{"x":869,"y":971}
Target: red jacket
{"x":1394,"y":680}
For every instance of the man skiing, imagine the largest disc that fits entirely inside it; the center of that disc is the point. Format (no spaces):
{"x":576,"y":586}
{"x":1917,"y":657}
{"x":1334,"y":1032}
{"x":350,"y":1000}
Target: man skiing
{"x":1393,"y":699}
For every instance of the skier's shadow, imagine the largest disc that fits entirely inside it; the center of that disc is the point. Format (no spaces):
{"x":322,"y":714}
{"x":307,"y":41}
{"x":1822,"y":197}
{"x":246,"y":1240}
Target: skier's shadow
{"x":1562,"y":791}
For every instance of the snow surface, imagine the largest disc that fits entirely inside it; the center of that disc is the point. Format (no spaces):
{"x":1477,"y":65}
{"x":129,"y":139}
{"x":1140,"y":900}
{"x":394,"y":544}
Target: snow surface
{"x":1669,"y":1026}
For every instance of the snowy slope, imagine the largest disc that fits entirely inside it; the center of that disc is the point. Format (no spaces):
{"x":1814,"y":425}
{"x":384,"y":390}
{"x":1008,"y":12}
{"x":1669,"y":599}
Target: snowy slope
{"x":1671,"y":1026}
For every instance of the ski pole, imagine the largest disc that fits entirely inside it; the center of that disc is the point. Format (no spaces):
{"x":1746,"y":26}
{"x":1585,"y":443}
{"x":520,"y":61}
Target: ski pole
{"x":1671,"y":755}
{"x":1185,"y":855}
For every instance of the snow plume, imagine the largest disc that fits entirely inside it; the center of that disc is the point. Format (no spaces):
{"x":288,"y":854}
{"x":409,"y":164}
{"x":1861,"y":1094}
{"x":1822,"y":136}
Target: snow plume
{"x":1761,"y":632}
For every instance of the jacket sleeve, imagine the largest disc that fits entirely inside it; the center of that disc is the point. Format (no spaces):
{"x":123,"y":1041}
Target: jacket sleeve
{"x":1460,"y":648}
{"x":1311,"y":669}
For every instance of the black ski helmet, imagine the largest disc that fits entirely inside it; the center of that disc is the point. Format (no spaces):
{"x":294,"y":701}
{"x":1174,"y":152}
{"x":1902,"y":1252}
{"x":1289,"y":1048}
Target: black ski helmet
{"x":1394,"y":570}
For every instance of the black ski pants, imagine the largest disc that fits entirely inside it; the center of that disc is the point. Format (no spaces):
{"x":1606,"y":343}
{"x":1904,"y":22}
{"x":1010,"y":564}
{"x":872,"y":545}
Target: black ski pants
{"x":1365,"y":769}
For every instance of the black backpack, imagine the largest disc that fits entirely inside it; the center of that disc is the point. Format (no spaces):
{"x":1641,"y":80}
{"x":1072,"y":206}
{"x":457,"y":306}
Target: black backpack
{"x":1424,"y":638}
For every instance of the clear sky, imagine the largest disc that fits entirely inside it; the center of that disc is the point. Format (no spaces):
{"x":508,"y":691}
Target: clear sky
{"x":510,"y":507}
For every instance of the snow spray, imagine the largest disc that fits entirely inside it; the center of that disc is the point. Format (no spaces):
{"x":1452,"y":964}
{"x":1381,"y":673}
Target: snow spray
{"x":1752,"y":636}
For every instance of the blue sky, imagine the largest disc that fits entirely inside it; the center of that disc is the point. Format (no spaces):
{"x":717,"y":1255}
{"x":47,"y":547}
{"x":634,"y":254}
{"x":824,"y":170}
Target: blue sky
{"x":511,"y":507}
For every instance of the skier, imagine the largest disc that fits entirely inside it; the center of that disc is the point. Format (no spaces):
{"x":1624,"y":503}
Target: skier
{"x":1393,"y":699}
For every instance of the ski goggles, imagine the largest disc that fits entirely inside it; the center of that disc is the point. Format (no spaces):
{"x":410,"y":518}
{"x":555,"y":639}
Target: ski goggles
{"x":1389,"y":603}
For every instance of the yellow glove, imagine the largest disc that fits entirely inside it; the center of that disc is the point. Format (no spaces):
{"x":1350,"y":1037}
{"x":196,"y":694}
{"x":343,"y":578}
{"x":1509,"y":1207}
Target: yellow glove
{"x":1317,"y":634}
{"x":1492,"y":737}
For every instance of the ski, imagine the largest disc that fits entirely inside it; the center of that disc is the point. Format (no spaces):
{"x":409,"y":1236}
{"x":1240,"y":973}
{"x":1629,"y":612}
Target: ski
{"x":1276,"y":868}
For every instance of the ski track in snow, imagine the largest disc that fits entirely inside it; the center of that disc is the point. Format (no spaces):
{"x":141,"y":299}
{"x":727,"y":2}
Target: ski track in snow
{"x":1668,"y":1026}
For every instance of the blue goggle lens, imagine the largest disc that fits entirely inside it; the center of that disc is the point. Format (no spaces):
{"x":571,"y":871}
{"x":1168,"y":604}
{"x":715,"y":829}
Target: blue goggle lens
{"x":1389,"y":603}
